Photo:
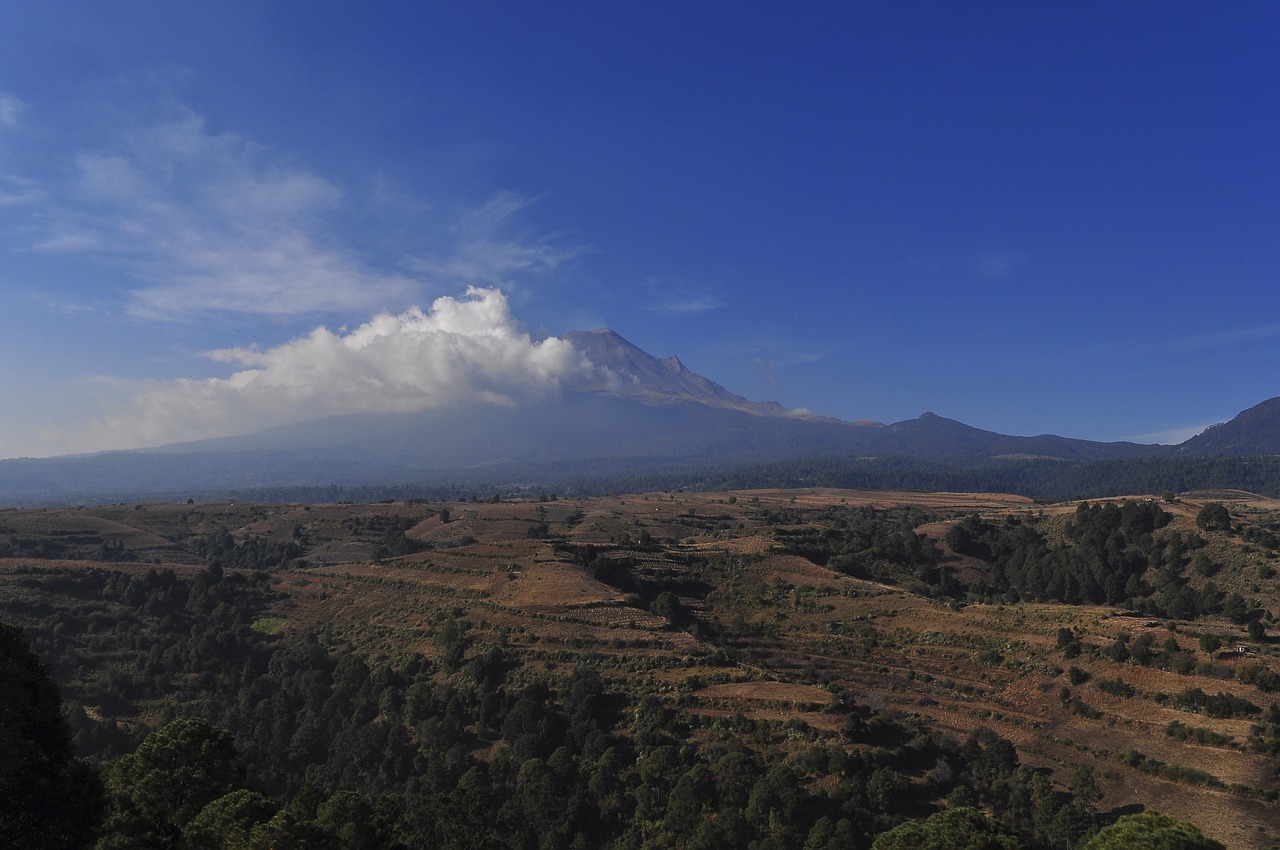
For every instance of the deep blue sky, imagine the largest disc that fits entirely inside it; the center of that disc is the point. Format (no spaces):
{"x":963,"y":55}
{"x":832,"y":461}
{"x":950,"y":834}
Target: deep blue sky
{"x":1032,"y":217}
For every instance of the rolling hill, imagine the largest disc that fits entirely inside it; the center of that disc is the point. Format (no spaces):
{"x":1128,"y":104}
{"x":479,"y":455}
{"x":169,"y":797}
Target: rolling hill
{"x":401,"y":650}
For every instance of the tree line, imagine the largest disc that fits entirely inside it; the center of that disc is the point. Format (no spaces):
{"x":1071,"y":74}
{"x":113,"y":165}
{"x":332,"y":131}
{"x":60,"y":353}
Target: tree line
{"x":574,"y":767}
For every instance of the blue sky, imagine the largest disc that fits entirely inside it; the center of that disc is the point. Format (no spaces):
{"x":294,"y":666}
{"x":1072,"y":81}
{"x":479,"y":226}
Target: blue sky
{"x":1031,"y":217}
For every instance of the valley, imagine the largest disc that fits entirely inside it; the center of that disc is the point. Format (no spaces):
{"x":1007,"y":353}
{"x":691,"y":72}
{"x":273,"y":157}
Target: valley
{"x":749,"y":614}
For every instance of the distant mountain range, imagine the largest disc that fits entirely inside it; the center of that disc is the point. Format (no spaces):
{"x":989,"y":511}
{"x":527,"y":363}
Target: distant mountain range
{"x":635,"y":419}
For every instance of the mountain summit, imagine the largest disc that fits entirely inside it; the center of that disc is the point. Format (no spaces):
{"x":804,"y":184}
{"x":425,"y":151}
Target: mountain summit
{"x":628,"y":371}
{"x":625,"y":414}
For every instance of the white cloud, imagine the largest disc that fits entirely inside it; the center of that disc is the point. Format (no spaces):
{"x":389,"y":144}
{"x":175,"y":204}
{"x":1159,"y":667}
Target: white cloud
{"x":478,"y":252}
{"x":680,"y":298}
{"x":10,"y":108}
{"x":19,"y":190}
{"x":198,"y":221}
{"x":466,"y":350}
{"x":204,"y":224}
{"x":689,"y":305}
{"x":190,"y":223}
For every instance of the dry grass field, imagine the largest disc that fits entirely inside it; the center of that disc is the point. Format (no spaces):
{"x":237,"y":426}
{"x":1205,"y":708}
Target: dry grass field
{"x":764,"y":632}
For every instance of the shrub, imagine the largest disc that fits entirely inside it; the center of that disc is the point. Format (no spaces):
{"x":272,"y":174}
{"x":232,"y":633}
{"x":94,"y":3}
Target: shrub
{"x":1116,"y":687}
{"x":1077,"y":676}
{"x":1214,"y":517}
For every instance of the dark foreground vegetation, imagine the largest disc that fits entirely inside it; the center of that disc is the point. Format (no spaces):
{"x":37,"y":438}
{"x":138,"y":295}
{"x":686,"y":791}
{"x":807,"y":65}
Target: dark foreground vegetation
{"x":329,"y":753}
{"x":189,"y":717}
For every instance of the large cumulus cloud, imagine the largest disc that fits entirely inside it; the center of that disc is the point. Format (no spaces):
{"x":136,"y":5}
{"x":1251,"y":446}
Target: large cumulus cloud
{"x":465,"y":350}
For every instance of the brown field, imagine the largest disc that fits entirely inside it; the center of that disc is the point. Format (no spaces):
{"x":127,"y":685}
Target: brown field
{"x":768,"y":630}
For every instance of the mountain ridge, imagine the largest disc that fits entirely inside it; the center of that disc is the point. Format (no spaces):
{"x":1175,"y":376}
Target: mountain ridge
{"x":1255,"y":431}
{"x":626,"y":412}
{"x":630,"y":371}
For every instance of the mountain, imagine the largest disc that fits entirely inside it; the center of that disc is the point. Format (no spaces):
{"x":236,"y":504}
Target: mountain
{"x":627,"y":371}
{"x":633,"y":416}
{"x":935,"y":438}
{"x":1255,"y":431}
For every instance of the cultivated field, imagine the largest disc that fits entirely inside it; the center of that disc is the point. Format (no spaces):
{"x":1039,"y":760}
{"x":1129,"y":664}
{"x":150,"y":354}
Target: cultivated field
{"x":760,"y":632}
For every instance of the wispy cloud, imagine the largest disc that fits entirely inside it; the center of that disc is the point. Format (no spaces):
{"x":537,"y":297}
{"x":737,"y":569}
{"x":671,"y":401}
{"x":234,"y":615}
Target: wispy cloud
{"x":769,"y":367}
{"x":188,"y":223}
{"x":479,"y":250}
{"x":1179,"y":344}
{"x":10,"y":108}
{"x":771,"y":356}
{"x":766,"y":369}
{"x":467,"y":350}
{"x":995,"y":264}
{"x":1228,"y":337}
{"x":680,"y":298}
{"x":19,"y":190}
{"x":204,"y":221}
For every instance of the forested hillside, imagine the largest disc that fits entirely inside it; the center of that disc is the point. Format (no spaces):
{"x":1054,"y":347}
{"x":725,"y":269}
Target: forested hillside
{"x":810,"y":669}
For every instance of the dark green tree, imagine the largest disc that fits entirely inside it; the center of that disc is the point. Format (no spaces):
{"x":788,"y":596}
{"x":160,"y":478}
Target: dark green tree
{"x":667,"y":606}
{"x":1084,"y":787}
{"x":453,"y":644}
{"x":1214,"y":517}
{"x":775,"y":803}
{"x":825,"y":835}
{"x":962,"y":828}
{"x":1235,"y":608}
{"x":227,"y":822}
{"x":48,"y":799}
{"x":1151,"y":831}
{"x":154,"y":794}
{"x":691,"y":796}
{"x":354,"y":820}
{"x":736,"y":774}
